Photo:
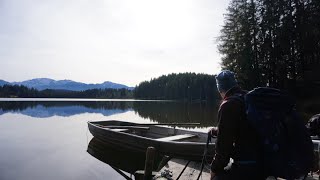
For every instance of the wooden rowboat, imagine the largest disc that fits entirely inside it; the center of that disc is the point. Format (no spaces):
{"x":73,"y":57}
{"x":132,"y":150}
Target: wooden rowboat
{"x":167,"y":141}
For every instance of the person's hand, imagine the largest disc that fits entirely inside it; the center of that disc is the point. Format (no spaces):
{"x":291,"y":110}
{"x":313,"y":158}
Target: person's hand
{"x":213,"y":131}
{"x":212,"y":175}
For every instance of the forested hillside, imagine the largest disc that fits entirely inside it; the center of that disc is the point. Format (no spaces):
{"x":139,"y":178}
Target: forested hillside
{"x":183,"y":86}
{"x":273,"y":43}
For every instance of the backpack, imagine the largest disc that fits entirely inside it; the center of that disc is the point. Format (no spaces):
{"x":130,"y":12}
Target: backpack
{"x":287,"y":148}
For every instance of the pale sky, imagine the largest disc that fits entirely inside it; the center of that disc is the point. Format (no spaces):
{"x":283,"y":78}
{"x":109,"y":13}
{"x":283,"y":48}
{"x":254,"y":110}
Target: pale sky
{"x":123,"y":41}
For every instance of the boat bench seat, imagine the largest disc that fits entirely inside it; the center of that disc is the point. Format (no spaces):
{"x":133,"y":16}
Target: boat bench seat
{"x":120,"y":130}
{"x":177,"y":137}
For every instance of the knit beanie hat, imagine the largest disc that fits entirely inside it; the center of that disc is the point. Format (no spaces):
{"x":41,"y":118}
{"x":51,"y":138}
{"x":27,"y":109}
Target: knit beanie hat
{"x":225,"y":80}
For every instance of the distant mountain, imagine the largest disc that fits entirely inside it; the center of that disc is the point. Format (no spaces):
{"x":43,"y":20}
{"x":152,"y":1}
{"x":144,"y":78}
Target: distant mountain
{"x":2,"y":82}
{"x":45,"y":83}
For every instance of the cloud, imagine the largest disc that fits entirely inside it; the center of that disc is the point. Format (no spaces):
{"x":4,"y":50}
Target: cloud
{"x":117,"y":40}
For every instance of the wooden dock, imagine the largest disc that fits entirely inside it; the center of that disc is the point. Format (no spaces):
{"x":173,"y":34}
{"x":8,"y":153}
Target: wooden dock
{"x":189,"y":170}
{"x":181,"y":169}
{"x":185,"y":170}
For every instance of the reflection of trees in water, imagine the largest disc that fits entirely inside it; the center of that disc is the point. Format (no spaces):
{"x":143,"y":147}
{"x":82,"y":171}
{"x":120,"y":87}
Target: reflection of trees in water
{"x":45,"y":109}
{"x":16,"y":105}
{"x":162,"y":112}
{"x":22,"y":105}
{"x":169,"y":112}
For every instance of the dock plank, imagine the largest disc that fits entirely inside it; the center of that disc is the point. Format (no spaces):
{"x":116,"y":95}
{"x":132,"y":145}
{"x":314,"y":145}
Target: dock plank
{"x":185,"y":170}
{"x":193,"y":170}
{"x":176,"y":166}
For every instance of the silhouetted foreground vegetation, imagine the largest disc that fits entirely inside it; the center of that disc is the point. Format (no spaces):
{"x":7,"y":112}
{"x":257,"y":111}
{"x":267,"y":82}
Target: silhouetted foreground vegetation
{"x":24,"y":92}
{"x":273,"y":43}
{"x":183,"y":86}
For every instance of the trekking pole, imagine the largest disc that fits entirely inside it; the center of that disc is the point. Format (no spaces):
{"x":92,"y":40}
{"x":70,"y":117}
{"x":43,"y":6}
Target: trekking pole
{"x":204,"y":154}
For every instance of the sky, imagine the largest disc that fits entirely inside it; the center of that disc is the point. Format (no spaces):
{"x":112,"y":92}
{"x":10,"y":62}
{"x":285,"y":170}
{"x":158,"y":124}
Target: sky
{"x":123,"y":41}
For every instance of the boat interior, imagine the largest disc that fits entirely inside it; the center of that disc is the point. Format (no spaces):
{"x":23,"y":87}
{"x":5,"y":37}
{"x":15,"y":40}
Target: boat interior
{"x":157,"y":132}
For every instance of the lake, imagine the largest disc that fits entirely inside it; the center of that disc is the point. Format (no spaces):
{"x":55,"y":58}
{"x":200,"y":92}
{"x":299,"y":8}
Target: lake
{"x":49,"y":139}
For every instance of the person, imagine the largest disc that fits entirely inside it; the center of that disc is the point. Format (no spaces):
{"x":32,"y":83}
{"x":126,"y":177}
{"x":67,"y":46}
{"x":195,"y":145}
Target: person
{"x":236,"y":139}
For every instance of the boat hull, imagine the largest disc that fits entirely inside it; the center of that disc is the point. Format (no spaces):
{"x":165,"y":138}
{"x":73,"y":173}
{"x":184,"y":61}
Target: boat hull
{"x":186,"y":150}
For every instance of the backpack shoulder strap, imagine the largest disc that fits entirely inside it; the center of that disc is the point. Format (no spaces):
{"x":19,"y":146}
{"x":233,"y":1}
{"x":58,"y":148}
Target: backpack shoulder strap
{"x":237,"y":96}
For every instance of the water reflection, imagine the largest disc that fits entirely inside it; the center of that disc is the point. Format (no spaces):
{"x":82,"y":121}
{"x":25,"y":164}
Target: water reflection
{"x":168,"y":112}
{"x":125,"y":161}
{"x":51,"y":108}
{"x":162,"y":112}
{"x":45,"y":140}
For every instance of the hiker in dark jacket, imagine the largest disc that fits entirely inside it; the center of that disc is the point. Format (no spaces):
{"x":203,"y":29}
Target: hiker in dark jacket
{"x":236,"y":139}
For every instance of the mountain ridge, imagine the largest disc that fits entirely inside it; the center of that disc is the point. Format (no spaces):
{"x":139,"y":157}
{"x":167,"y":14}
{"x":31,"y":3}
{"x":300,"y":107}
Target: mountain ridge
{"x":2,"y":82}
{"x":47,"y":83}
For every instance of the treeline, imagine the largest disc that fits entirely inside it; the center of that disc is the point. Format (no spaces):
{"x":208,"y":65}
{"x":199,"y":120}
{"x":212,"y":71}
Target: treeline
{"x":25,"y":92}
{"x":183,"y":86}
{"x":272,"y":42}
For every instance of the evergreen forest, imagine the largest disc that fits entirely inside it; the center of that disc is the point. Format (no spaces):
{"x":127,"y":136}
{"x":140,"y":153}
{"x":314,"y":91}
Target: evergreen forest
{"x":273,"y":43}
{"x":20,"y":91}
{"x":183,"y":86}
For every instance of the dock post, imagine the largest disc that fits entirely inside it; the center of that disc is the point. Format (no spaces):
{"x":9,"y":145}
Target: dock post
{"x":148,"y":167}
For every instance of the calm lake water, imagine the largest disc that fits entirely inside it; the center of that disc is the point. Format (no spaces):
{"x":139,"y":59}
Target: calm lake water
{"x":49,"y":139}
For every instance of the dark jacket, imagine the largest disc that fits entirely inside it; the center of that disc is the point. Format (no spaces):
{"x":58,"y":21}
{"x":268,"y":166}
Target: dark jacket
{"x":236,"y":139}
